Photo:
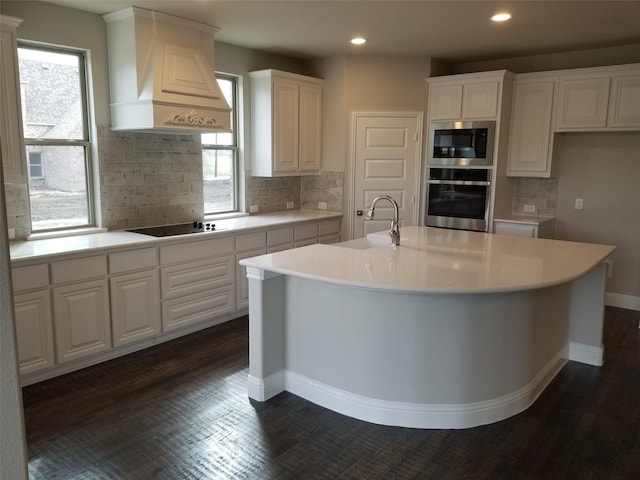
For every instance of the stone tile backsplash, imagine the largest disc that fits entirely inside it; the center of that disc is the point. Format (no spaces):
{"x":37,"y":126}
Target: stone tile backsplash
{"x":154,"y":178}
{"x":540,"y":192}
{"x":326,"y":187}
{"x":149,"y":178}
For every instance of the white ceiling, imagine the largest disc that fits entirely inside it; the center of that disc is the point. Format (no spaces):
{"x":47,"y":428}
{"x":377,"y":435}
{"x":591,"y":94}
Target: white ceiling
{"x":455,"y":30}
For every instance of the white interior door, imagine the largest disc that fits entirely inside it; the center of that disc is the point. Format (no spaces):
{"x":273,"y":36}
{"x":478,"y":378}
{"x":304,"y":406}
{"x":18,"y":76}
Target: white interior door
{"x":387,"y":156}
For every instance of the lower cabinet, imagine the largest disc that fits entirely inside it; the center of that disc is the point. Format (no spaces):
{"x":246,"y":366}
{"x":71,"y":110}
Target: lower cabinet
{"x":189,"y":309}
{"x":82,"y":323}
{"x":34,"y":331}
{"x":135,"y":306}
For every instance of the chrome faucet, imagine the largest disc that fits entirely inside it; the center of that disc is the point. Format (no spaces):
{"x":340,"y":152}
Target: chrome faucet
{"x":394,"y":233}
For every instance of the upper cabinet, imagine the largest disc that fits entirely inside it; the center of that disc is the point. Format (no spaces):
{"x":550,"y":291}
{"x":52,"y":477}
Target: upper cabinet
{"x":11,"y":136}
{"x":465,"y":97}
{"x":599,"y":99}
{"x":583,"y":103}
{"x":286,"y":121}
{"x":532,"y":132}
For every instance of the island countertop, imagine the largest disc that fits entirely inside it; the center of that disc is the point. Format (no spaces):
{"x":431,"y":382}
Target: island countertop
{"x":435,"y":260}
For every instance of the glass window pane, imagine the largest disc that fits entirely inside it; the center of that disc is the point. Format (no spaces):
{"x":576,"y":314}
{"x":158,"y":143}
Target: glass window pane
{"x":59,"y":197}
{"x":51,"y":93}
{"x":219,"y":181}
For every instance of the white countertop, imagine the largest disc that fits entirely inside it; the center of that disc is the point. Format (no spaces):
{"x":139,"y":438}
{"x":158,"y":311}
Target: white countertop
{"x":436,"y":260}
{"x":32,"y":249}
{"x":527,"y":219}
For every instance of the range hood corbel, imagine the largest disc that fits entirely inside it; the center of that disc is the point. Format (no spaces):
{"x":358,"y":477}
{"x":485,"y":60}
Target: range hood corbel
{"x":162,"y":77}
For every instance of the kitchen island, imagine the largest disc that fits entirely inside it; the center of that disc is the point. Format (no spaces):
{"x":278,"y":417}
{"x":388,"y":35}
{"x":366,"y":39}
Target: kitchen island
{"x":451,"y":329}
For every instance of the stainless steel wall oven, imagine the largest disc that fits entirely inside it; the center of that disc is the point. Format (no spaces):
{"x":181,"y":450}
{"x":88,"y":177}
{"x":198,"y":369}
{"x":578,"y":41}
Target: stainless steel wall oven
{"x":458,"y":198}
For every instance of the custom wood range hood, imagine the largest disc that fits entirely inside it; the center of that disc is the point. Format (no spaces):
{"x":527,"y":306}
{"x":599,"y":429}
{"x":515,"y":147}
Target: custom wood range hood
{"x":161,"y":71}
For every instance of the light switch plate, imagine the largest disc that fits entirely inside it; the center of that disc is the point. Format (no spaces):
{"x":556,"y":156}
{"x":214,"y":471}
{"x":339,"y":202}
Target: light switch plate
{"x":529,"y":208}
{"x":253,"y":208}
{"x":322,"y":205}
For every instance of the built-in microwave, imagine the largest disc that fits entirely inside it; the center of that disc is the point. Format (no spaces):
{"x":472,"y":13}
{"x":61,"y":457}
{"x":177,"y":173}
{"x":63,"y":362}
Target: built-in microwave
{"x":461,"y":143}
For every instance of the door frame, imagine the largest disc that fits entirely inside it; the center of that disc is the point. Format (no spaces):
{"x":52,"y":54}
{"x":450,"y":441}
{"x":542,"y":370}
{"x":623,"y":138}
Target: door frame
{"x":418,"y":193}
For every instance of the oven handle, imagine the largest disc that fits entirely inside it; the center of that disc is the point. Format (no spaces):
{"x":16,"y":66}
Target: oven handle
{"x":457,"y":182}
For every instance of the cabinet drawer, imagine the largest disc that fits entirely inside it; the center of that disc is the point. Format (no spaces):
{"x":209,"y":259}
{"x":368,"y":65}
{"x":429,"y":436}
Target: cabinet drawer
{"x":132,"y":260}
{"x":31,"y":277}
{"x":305,"y":232}
{"x":188,"y":251}
{"x":179,"y":280}
{"x":79,"y":269}
{"x":328,"y":228}
{"x":250,"y":241}
{"x":196,"y":308}
{"x":280,"y":236}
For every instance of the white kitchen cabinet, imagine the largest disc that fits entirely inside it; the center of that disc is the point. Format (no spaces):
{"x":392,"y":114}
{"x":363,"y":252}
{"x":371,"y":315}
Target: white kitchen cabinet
{"x":329,"y":232}
{"x":34,"y":331}
{"x":305,"y":234}
{"x":532,"y":131}
{"x":525,"y":228}
{"x":279,"y":239}
{"x":582,"y":103}
{"x":197,"y":281}
{"x":135,"y":306}
{"x":471,"y":96}
{"x":247,"y":245}
{"x":33,"y":319}
{"x":12,"y":147}
{"x":624,"y":102}
{"x":286,"y":121}
{"x":82,"y":323}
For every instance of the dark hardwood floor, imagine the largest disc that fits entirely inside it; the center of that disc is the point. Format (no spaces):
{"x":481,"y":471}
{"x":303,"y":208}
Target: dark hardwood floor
{"x":180,"y":411}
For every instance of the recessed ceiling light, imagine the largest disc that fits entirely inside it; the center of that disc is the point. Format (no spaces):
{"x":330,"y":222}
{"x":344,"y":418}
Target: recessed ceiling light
{"x":358,"y":41}
{"x":501,"y":17}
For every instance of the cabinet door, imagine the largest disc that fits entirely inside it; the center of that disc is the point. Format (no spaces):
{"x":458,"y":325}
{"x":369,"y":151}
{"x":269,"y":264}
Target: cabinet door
{"x":582,"y":104}
{"x":530,"y":144}
{"x":480,"y":100}
{"x":34,"y":331}
{"x":81,"y":319}
{"x":517,"y":229}
{"x":310,"y":132}
{"x":11,"y":138}
{"x":624,"y":110}
{"x":135,"y":306}
{"x":445,"y":102}
{"x":242,"y":282}
{"x":285,"y":126}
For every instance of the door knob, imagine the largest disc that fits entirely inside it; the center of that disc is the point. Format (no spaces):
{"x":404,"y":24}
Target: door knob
{"x":359,"y":213}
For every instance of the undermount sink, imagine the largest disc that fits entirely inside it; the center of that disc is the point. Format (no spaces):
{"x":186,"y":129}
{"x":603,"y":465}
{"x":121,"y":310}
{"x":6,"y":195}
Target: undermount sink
{"x":366,"y":242}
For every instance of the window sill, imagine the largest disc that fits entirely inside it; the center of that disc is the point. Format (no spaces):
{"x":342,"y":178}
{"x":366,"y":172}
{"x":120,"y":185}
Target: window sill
{"x":225,"y":216}
{"x":66,"y":233}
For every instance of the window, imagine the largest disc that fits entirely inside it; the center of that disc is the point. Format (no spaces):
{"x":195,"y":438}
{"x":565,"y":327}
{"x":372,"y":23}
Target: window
{"x":54,"y":111}
{"x":220,"y":158}
{"x":35,"y":165}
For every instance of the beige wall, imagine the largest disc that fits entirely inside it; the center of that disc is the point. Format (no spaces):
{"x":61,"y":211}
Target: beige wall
{"x":604,"y":170}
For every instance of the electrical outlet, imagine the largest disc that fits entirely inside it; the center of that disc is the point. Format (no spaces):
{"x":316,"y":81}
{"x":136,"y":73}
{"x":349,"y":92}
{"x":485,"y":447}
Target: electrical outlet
{"x":322,"y":205}
{"x":289,"y":204}
{"x":529,"y":208}
{"x":12,"y":234}
{"x":253,"y":208}
{"x":578,"y":204}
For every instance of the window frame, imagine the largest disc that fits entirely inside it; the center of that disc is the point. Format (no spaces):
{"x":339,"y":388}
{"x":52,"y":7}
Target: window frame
{"x":234,"y":147}
{"x":84,"y":142}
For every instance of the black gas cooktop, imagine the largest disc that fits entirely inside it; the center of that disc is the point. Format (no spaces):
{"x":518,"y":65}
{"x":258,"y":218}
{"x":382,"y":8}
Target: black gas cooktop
{"x":177,"y":229}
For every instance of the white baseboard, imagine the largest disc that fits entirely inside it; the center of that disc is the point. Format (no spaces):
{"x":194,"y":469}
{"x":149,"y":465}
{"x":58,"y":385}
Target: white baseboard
{"x":417,"y":415}
{"x":629,"y":302}
{"x":264,"y":389}
{"x":579,"y":352}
